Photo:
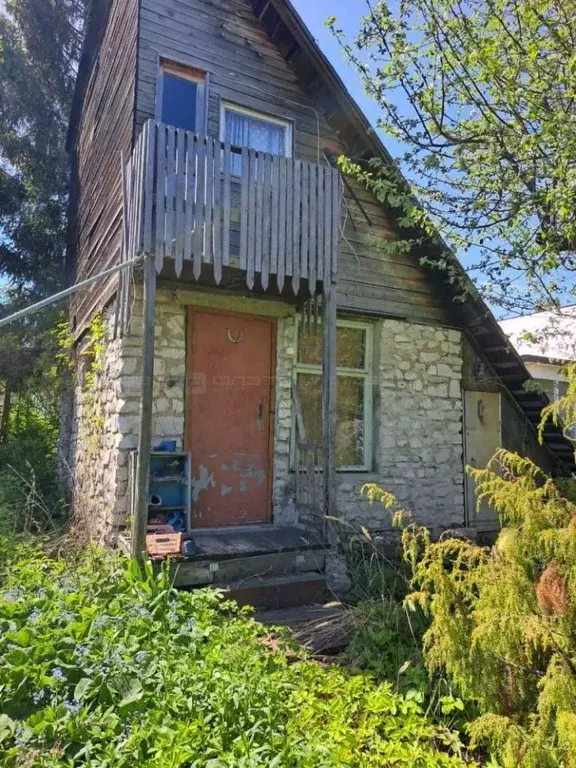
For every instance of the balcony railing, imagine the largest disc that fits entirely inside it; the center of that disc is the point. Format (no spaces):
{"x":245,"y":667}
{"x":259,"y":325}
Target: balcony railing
{"x":192,"y":198}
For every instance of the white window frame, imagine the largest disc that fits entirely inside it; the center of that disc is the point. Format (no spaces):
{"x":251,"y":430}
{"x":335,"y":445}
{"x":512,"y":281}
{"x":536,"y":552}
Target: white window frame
{"x":186,"y":72}
{"x":227,"y":106}
{"x":366,"y":373}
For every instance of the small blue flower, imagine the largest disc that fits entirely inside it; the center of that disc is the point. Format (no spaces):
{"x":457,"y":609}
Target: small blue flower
{"x":57,"y":673}
{"x":73,"y":707}
{"x":37,"y":698}
{"x":140,"y":657}
{"x":13,"y":595}
{"x":34,"y":616}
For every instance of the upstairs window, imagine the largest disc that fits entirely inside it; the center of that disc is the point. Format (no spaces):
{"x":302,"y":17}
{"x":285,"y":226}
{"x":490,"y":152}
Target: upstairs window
{"x":254,"y":130}
{"x":181,"y":97}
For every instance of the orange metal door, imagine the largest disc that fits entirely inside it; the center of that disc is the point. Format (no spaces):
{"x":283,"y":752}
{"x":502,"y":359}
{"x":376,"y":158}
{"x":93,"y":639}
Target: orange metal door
{"x":230,"y":387}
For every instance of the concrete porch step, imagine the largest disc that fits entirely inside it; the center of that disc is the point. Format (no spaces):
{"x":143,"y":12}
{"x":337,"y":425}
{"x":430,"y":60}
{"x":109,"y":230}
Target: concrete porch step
{"x":218,"y":572}
{"x":273,"y":592}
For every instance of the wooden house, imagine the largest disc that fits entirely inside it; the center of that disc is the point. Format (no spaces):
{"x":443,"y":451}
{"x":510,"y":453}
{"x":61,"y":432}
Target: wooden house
{"x":262,"y":327}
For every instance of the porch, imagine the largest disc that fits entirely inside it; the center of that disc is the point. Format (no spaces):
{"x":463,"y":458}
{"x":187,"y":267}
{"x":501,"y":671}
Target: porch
{"x":203,"y":213}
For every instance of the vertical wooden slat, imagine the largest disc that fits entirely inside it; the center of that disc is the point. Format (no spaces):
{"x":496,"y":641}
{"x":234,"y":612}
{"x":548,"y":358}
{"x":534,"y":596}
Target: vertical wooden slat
{"x":336,"y":220}
{"x":274,"y":215}
{"x":282,"y":224}
{"x":200,"y":205}
{"x":226,"y":202}
{"x":289,"y":214}
{"x":250,"y":266}
{"x":160,"y":197}
{"x":179,"y":201}
{"x":312,"y":258}
{"x":190,"y":193}
{"x":149,"y":185}
{"x":267,"y":222}
{"x":304,"y":225}
{"x":259,"y":215}
{"x":170,"y":191}
{"x":217,"y":213}
{"x":244,"y":209}
{"x":296,"y":237}
{"x":320,"y":212}
{"x":208,"y":244}
{"x":328,"y":233}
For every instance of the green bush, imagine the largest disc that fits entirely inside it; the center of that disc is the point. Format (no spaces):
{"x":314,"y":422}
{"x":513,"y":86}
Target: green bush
{"x":30,"y":498}
{"x":503,"y":621}
{"x":103,"y":665}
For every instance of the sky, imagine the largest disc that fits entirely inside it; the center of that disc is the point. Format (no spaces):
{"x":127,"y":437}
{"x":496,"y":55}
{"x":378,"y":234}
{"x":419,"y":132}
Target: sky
{"x":348,"y":14}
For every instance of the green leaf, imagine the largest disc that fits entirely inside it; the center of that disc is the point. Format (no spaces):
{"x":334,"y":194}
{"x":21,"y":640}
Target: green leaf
{"x":7,"y":727}
{"x":81,"y":689}
{"x":133,"y":693}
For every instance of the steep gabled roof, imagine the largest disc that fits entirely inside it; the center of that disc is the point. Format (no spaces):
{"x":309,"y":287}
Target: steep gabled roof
{"x":288,"y":32}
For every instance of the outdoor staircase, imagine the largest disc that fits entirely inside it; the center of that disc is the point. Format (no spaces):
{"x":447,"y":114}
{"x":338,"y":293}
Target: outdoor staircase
{"x":265,"y":566}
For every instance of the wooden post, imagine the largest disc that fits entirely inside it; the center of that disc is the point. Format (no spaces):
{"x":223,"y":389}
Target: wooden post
{"x":140,"y":520}
{"x":329,"y":384}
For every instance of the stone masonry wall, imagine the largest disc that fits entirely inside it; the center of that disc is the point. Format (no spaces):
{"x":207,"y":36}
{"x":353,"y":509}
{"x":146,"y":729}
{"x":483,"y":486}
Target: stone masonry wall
{"x":417,"y":422}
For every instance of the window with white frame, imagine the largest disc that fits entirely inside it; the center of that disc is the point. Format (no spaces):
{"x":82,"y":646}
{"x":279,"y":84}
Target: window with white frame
{"x":242,"y":127}
{"x":353,"y":391}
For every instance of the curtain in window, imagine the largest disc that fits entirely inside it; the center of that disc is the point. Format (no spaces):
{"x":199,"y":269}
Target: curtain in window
{"x":246,"y":131}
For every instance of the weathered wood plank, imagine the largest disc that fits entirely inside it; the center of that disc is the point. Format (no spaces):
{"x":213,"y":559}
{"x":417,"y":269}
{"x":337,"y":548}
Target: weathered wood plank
{"x":160,"y":198}
{"x":282,"y":163}
{"x":244,"y":209}
{"x":259,"y":219}
{"x":170,"y":191}
{"x":251,"y":253}
{"x":275,"y":213}
{"x":217,"y":216}
{"x":312,"y":242}
{"x":305,"y":226}
{"x":328,"y":233}
{"x":179,"y":202}
{"x":321,"y":212}
{"x":267,"y":222}
{"x":336,"y":221}
{"x":191,"y":172}
{"x":200,"y":204}
{"x":209,"y":206}
{"x":289,"y":214}
{"x":149,"y":186}
{"x":296,"y":236}
{"x":227,"y":159}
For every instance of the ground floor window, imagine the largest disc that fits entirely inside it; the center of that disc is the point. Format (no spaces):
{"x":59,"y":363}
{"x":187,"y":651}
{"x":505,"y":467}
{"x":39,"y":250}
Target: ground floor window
{"x":354,"y":390}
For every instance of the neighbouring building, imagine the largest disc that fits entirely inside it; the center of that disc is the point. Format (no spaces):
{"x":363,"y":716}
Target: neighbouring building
{"x":296,"y":358}
{"x":546,"y":342}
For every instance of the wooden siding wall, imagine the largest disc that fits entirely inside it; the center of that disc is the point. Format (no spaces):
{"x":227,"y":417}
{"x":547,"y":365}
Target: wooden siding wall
{"x":224,"y":38}
{"x":106,"y":128}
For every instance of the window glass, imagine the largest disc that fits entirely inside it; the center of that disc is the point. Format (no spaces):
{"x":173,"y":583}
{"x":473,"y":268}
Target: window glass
{"x":179,"y":101}
{"x":350,"y":416}
{"x":243,"y":130}
{"x":353,"y":394}
{"x":350,"y":347}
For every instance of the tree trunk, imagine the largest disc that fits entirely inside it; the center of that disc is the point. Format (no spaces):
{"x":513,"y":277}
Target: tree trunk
{"x":6,"y":408}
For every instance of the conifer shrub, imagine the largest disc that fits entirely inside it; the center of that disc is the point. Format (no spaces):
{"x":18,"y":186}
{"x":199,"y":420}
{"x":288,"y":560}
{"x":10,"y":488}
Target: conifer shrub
{"x":503,"y":620}
{"x":104,"y":665}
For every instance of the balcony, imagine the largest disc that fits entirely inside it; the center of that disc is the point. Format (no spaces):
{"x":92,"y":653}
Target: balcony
{"x":191,"y":198}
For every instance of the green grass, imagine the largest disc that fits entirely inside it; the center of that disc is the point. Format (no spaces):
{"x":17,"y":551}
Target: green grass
{"x":103,"y":665}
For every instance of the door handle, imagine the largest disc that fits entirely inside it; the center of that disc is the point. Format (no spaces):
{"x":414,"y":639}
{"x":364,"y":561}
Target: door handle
{"x":260,"y":409}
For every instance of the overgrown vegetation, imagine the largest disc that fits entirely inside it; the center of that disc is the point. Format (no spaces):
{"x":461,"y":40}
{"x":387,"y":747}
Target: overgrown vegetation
{"x":104,"y":665}
{"x":503,"y":621}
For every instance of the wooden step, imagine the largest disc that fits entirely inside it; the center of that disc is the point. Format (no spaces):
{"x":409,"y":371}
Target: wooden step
{"x":275,"y":592}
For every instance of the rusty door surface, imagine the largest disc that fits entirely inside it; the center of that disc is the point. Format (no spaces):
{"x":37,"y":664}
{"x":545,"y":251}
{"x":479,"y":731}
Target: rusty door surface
{"x":229,"y":398}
